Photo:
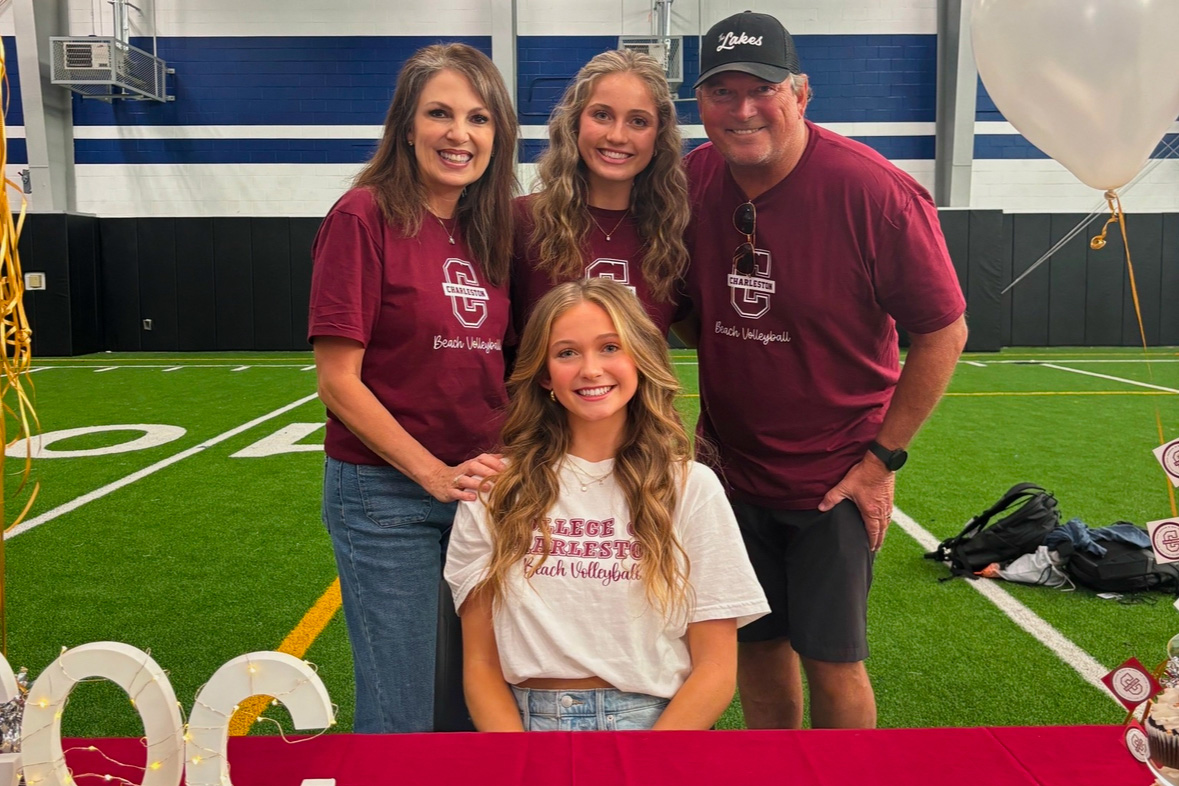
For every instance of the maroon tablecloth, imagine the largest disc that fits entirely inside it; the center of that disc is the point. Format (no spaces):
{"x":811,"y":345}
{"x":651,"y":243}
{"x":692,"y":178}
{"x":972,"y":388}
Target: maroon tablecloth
{"x":1024,"y":756}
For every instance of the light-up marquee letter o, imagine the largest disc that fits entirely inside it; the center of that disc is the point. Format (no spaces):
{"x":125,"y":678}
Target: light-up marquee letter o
{"x":291,"y":681}
{"x":132,"y":670}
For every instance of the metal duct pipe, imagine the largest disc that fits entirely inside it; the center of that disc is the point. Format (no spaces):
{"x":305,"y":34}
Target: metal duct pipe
{"x":122,"y":21}
{"x":663,"y":18}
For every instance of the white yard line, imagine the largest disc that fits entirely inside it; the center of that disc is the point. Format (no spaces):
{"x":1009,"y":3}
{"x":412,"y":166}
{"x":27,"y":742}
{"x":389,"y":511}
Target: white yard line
{"x":107,"y":368}
{"x":308,"y":368}
{"x":173,"y":368}
{"x":1134,"y":382}
{"x":240,"y":368}
{"x":1085,"y":664}
{"x":973,"y":363}
{"x":98,"y":493}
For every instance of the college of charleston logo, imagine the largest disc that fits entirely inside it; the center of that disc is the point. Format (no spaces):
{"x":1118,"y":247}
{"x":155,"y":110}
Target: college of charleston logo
{"x":750,"y":295}
{"x":613,"y":269}
{"x":468,"y":299}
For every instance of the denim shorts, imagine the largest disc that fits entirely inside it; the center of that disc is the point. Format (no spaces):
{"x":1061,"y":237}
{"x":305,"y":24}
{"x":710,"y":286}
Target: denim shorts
{"x":598,"y":709}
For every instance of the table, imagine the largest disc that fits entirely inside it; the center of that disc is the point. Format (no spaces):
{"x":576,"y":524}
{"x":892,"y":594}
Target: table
{"x":1011,"y":756}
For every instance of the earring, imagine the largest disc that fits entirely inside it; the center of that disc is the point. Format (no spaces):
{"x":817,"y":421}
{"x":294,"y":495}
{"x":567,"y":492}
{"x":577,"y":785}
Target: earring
{"x":552,"y":395}
{"x":410,"y":142}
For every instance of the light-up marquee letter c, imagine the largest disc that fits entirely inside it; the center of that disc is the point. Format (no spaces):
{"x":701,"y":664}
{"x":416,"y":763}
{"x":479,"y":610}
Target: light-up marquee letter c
{"x":291,"y":681}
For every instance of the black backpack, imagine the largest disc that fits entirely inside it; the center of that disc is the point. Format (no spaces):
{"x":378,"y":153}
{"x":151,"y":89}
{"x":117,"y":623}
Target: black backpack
{"x":1124,"y":568}
{"x":1032,"y":516}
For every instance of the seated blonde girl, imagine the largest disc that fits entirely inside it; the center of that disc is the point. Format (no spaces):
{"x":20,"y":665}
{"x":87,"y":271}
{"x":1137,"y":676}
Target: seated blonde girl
{"x":601,"y":579}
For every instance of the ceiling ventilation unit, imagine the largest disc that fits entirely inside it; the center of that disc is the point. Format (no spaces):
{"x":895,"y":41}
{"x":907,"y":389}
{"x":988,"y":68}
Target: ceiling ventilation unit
{"x":667,"y":50}
{"x":108,"y":69}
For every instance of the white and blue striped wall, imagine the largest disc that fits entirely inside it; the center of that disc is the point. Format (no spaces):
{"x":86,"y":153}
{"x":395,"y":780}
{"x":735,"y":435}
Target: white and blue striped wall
{"x":278,"y":104}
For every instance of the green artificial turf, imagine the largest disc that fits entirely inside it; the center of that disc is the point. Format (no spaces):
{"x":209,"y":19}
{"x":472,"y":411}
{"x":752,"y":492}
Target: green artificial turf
{"x":215,"y":556}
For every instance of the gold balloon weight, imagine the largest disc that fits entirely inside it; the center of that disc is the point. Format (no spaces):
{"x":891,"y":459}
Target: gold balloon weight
{"x":1115,"y":210}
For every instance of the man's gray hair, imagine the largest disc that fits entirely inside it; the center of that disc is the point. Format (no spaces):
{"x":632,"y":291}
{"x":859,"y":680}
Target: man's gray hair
{"x":800,"y":84}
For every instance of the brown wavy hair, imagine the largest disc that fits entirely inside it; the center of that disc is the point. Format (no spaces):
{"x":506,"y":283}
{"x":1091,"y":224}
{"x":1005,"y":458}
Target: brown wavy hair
{"x":659,"y":196}
{"x":650,"y":466}
{"x":485,"y":213}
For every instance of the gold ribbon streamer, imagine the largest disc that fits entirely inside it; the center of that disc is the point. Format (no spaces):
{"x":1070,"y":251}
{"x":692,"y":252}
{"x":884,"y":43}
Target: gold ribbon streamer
{"x":1097,"y":243}
{"x":17,"y":416}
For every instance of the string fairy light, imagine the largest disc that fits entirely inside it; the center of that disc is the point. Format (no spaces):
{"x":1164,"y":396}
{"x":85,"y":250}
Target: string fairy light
{"x":203,"y":735}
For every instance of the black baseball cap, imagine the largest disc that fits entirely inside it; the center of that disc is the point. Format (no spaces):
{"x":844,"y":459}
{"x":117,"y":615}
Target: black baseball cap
{"x":755,"y":44}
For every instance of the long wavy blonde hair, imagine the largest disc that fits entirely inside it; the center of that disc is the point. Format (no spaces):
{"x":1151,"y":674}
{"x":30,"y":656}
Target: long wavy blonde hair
{"x":650,"y":466}
{"x":659,"y":196}
{"x":485,"y":213}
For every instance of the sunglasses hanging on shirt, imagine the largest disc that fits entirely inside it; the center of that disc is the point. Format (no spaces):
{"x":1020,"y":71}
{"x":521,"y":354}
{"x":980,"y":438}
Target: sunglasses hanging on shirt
{"x":745,"y":221}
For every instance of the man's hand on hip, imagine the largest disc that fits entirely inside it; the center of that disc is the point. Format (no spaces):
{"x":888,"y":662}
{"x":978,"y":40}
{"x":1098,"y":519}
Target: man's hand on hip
{"x":870,"y":485}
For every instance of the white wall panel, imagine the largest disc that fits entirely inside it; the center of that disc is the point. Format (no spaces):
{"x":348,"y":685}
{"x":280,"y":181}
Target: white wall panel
{"x":1044,"y":186}
{"x":211,"y":189}
{"x":807,"y":17}
{"x":289,"y":18}
{"x":7,"y":25}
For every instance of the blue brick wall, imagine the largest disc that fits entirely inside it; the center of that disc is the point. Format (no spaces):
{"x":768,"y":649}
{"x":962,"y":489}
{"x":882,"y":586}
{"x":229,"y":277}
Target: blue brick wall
{"x":18,"y":152}
{"x":984,"y":108}
{"x":345,"y":80}
{"x":1005,"y":146}
{"x":15,"y":115}
{"x":857,"y":78}
{"x":223,"y":151}
{"x":313,"y":80}
{"x":544,"y":66}
{"x":1015,"y":146}
{"x":864,"y":78}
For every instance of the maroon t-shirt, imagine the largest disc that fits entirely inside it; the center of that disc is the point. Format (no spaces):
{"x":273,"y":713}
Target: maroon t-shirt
{"x":799,"y":360}
{"x":431,"y":326}
{"x":619,"y":258}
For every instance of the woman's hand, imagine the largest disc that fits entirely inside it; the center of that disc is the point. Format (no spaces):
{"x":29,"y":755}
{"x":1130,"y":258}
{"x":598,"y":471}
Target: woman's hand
{"x":448,"y":484}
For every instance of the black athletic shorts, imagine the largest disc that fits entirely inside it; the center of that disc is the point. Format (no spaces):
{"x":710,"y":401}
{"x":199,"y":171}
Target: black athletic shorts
{"x":816,"y":570}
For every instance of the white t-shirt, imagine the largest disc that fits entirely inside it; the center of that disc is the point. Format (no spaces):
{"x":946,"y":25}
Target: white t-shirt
{"x":585,"y":612}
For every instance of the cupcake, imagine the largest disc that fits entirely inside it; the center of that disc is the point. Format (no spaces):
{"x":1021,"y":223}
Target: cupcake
{"x":1162,"y":728}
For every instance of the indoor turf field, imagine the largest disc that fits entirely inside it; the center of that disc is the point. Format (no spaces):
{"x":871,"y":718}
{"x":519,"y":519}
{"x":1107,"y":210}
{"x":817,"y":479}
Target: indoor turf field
{"x":209,"y":545}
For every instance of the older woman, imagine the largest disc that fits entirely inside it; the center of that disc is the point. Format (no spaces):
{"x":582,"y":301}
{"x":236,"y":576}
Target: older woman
{"x":409,"y":308}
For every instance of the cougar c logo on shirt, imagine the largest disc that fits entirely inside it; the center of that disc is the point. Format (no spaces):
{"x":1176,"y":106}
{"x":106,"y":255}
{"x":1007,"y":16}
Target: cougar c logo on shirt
{"x":750,"y":295}
{"x":468,"y":299}
{"x":613,"y":269}
{"x":730,"y":40}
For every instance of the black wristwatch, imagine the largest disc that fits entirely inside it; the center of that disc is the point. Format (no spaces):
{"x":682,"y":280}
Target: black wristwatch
{"x":891,"y":459}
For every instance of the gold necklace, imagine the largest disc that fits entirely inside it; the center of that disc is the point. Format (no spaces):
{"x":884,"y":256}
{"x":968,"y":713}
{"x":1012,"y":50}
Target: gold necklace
{"x":587,"y":479}
{"x":612,"y":231}
{"x":449,"y":234}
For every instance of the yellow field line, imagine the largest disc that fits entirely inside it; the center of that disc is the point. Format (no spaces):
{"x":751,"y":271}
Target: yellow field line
{"x":296,"y":643}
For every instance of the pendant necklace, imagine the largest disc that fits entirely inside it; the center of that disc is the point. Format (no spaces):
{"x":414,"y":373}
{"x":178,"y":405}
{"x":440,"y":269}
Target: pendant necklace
{"x":616,"y":226}
{"x":587,"y":479}
{"x":449,"y":234}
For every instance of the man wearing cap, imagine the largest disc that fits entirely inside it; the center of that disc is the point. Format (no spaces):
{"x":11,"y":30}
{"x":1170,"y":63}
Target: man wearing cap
{"x":807,"y":250}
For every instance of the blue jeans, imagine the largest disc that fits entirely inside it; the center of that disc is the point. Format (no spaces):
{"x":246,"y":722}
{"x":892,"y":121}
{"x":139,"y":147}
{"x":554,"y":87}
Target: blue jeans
{"x":600,"y":709}
{"x":389,"y":536}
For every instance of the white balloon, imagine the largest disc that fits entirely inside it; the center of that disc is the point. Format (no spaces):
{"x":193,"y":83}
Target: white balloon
{"x":1092,"y":83}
